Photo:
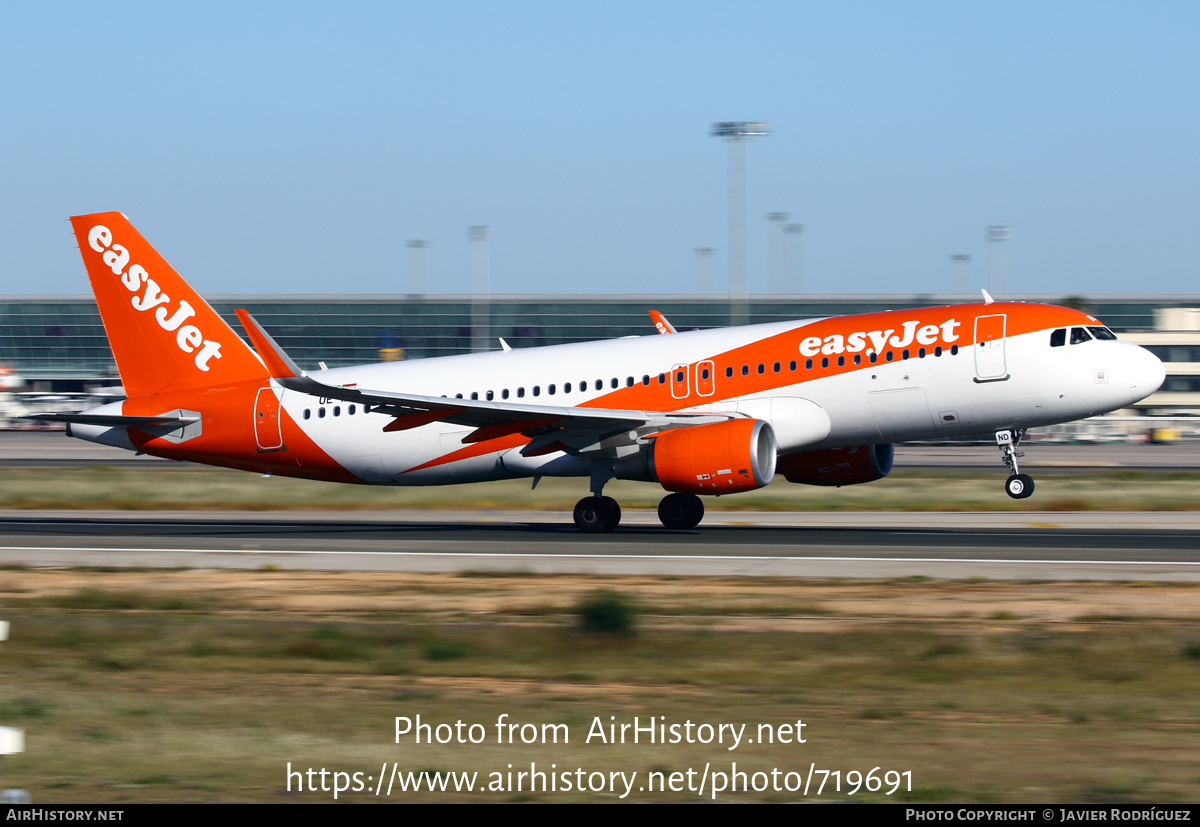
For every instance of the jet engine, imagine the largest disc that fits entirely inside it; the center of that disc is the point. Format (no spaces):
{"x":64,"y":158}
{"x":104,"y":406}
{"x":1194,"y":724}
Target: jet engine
{"x":718,"y":458}
{"x":838,"y":466}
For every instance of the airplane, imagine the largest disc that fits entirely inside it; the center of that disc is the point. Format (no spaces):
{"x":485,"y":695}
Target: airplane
{"x":704,"y":412}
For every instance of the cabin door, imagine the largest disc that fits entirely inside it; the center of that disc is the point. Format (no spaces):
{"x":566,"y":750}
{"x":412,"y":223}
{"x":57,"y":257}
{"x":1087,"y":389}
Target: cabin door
{"x":267,"y":426}
{"x":990,"y":363}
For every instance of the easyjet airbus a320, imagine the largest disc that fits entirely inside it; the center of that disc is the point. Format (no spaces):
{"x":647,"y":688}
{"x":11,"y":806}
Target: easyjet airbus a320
{"x":710,"y":412}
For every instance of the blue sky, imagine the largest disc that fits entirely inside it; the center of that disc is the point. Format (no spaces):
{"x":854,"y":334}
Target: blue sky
{"x":294,"y":147}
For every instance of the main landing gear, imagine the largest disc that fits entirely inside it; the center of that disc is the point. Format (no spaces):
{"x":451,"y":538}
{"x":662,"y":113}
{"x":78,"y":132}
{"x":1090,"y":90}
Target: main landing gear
{"x":1018,"y":485}
{"x":681,"y":511}
{"x":594,"y":515}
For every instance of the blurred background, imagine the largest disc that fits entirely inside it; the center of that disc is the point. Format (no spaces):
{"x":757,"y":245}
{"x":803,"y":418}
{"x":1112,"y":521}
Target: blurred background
{"x":400,"y":180}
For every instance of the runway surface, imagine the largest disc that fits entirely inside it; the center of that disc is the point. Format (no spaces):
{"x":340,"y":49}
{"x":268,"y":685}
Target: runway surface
{"x":54,"y":449}
{"x":1076,"y":546}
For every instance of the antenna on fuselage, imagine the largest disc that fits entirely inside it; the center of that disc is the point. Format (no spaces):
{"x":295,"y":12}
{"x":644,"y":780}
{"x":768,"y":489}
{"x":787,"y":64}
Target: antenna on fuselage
{"x":987,"y":299}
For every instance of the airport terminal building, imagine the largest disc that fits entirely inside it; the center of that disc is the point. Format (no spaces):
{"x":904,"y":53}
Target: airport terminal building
{"x":57,"y":343}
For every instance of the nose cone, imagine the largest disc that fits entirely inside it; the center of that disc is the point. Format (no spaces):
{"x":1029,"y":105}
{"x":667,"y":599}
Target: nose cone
{"x":1146,"y":373}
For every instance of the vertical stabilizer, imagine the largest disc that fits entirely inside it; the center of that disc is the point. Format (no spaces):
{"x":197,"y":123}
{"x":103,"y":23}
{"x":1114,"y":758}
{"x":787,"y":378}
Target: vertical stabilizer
{"x":163,"y":334}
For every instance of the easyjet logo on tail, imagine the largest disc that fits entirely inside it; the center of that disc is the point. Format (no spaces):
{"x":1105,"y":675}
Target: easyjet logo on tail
{"x":149,"y":296}
{"x":879,"y":339}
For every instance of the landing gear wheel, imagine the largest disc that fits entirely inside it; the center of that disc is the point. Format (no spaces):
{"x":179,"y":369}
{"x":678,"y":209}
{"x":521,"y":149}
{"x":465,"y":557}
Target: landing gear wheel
{"x":1019,"y":486}
{"x":681,"y":511}
{"x":612,"y":513}
{"x":596,"y":514}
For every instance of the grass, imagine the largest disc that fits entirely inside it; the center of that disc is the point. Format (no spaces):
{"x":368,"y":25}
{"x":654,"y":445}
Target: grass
{"x":186,"y":488}
{"x":123,"y":701}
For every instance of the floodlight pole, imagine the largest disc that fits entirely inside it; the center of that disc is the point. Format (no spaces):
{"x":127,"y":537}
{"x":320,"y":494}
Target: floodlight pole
{"x":776,"y":253}
{"x":997,"y":238}
{"x":736,"y":134}
{"x":793,"y":260}
{"x":481,"y":288}
{"x":418,"y":267}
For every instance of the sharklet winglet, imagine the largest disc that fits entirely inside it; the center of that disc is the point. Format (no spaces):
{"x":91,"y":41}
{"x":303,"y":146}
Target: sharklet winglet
{"x":278,"y":363}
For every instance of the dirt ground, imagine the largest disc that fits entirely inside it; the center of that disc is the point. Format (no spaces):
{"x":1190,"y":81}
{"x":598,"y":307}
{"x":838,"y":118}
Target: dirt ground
{"x":200,"y":685}
{"x":726,"y":602}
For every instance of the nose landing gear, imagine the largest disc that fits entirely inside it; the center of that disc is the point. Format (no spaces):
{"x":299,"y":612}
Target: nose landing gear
{"x":1018,"y":485}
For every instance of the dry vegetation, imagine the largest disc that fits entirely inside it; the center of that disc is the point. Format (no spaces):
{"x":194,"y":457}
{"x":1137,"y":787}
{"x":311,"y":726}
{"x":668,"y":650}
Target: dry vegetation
{"x":176,"y":487}
{"x":202,"y":685}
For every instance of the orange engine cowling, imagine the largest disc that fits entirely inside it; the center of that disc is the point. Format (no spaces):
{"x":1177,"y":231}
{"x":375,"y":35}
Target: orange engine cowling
{"x":838,"y":466}
{"x":718,"y":458}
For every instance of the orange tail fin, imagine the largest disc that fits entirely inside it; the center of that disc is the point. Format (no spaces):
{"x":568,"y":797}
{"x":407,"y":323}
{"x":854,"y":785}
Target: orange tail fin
{"x":162,"y":333}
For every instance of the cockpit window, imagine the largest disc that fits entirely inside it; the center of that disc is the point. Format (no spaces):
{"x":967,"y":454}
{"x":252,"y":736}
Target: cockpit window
{"x":1102,"y":333}
{"x":1079,"y":334}
{"x":1059,"y":337}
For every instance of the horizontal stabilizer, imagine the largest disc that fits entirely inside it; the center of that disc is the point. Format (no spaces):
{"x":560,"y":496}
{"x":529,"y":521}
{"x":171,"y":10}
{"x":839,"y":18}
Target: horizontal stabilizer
{"x":113,"y":421}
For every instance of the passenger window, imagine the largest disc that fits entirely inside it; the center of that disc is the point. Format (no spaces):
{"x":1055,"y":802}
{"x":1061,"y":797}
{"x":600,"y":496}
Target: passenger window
{"x":1102,"y":333}
{"x":921,"y":353}
{"x":728,"y":372}
{"x":888,"y":356}
{"x":874,"y":357}
{"x":567,"y":388}
{"x":320,"y":413}
{"x":841,"y":361}
{"x":777,"y":367}
{"x":808,"y":364}
{"x":662,"y":379}
{"x":537,"y":390}
{"x":761,"y":368}
{"x":953,"y":350}
{"x":615,"y":383}
{"x":337,"y":410}
{"x":629,"y":381}
{"x":475,"y":395}
{"x":858,"y":358}
{"x":1059,"y":337}
{"x":678,"y":376}
{"x":904,"y":353}
{"x":704,"y":373}
{"x":350,"y":410}
{"x":307,"y":413}
{"x":520,"y":393}
{"x":504,"y":394}
{"x":937,"y":351}
{"x":1079,"y":335}
{"x":490,"y":396}
{"x":824,"y":361}
{"x":745,"y":370}
{"x":550,"y":390}
{"x":599,"y":384}
{"x":646,"y":379}
{"x":792,"y":365}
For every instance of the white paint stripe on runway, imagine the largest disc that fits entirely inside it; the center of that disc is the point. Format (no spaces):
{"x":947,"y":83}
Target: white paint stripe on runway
{"x":645,"y":557}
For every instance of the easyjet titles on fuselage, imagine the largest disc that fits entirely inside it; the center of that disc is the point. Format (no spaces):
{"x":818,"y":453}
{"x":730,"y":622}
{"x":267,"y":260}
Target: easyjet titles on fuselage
{"x":187,"y":336}
{"x":879,"y":339}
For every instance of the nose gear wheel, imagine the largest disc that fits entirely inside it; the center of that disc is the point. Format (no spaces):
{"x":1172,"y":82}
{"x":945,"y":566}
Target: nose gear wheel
{"x":1018,"y":485}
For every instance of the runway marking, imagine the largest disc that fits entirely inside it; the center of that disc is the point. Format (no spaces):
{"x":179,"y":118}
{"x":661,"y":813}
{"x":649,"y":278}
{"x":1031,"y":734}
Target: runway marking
{"x":566,"y":556}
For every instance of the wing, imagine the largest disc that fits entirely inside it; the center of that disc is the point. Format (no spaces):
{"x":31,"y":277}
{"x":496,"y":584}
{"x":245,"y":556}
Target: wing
{"x":551,"y":427}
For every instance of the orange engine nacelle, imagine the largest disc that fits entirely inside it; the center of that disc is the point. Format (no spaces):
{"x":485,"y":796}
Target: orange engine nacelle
{"x":838,"y":466}
{"x":718,"y":458}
